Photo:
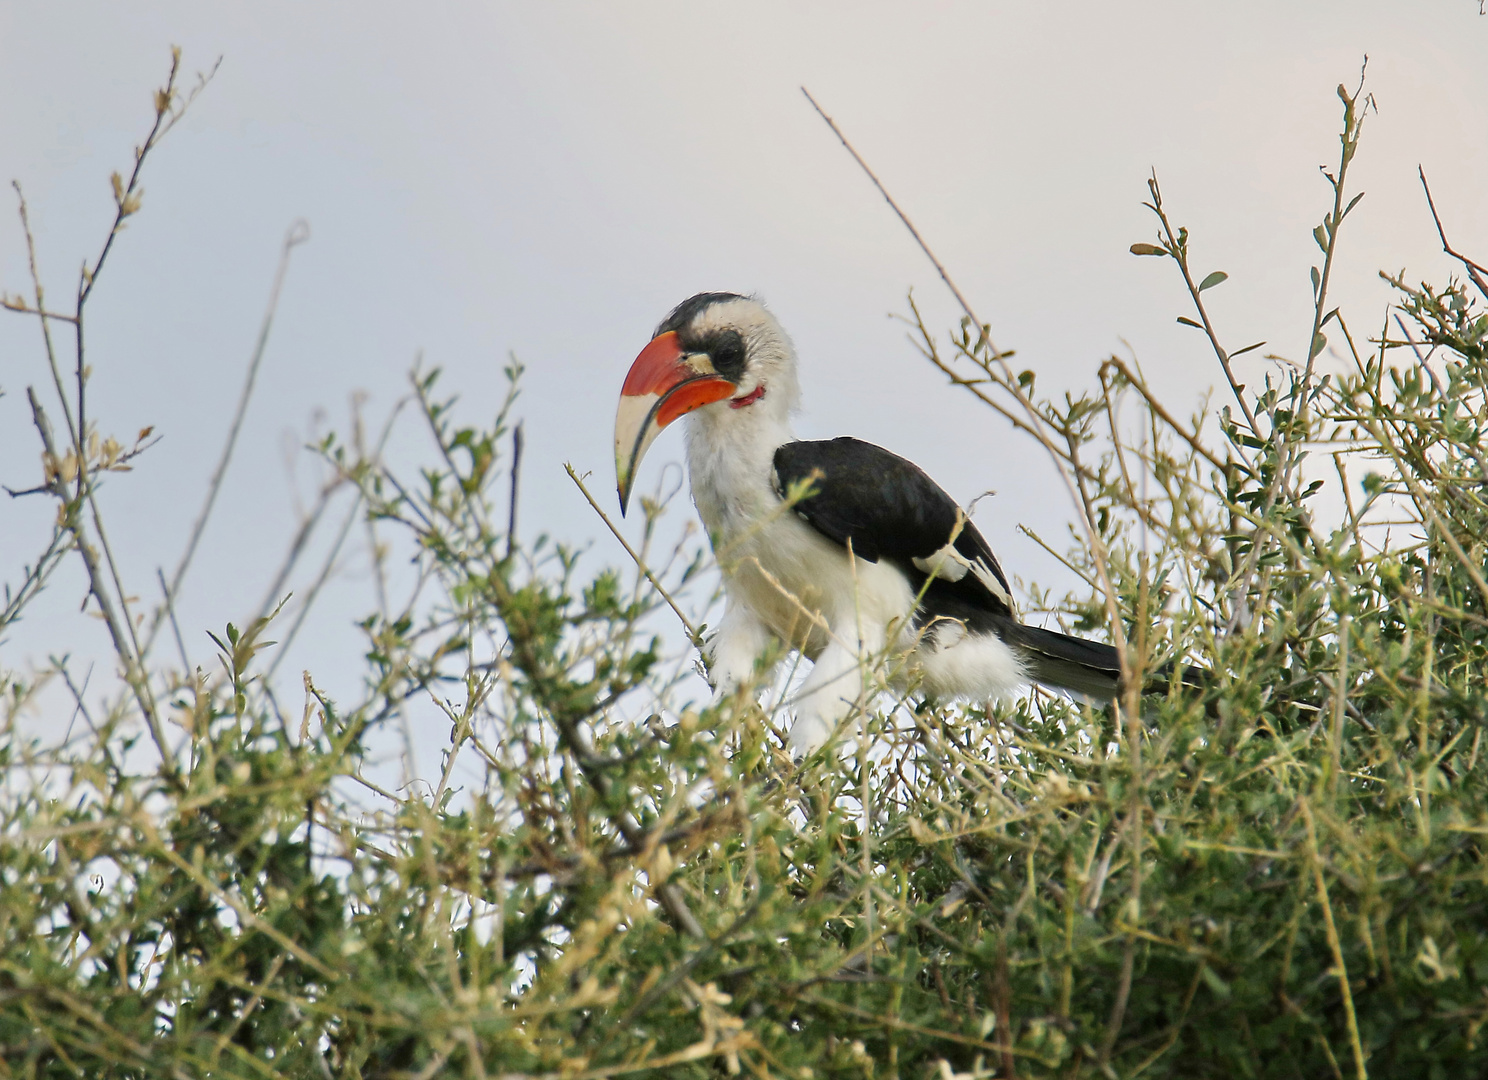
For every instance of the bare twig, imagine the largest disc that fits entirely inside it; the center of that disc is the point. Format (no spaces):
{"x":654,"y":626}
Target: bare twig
{"x":330,"y":560}
{"x":127,"y":198}
{"x":982,"y":328}
{"x":1474,"y":270}
{"x":298,"y":233}
{"x":692,"y":630}
{"x":36,"y":576}
{"x":169,"y":108}
{"x":308,"y":524}
{"x":19,"y":305}
{"x":516,"y":476}
{"x":133,"y":674}
{"x":1140,"y":386}
{"x":46,"y":333}
{"x":80,"y":707}
{"x":113,"y":568}
{"x":1036,"y":423}
{"x":170,"y":611}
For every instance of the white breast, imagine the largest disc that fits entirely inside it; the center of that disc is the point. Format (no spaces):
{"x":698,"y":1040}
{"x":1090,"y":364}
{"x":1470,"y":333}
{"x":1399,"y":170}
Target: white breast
{"x":801,"y":584}
{"x":774,"y":563}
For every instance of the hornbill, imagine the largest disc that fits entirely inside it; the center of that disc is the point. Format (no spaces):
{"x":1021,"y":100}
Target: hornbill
{"x":875,"y":556}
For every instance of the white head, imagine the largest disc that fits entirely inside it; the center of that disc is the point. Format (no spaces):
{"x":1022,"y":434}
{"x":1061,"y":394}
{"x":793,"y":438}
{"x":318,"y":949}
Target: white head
{"x":720,"y":357}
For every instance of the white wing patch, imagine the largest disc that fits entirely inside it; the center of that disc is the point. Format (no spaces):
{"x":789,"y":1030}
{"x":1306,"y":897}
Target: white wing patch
{"x":985,"y":575}
{"x":948,"y":564}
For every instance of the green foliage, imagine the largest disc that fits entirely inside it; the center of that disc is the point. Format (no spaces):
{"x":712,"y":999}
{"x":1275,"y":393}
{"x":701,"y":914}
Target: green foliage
{"x":1276,"y":872}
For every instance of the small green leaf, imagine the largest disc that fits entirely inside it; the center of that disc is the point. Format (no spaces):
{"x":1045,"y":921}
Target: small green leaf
{"x":1317,"y":280}
{"x":1189,"y":322}
{"x":1217,"y":986}
{"x":1319,"y":343}
{"x":1147,"y":249}
{"x":1320,"y":234}
{"x":1213,"y":280}
{"x":1248,"y":348}
{"x":1352,"y":203}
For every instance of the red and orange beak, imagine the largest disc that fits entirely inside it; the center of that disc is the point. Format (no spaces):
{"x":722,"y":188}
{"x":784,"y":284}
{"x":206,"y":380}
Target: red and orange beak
{"x":664,"y":383}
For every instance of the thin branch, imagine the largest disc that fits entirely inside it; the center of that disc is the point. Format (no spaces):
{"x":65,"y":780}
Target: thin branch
{"x":1340,"y":969}
{"x":1474,"y":271}
{"x":1140,"y":386}
{"x":335,"y":552}
{"x":1177,"y":245}
{"x":133,"y":673}
{"x":692,"y":630}
{"x":113,"y":568}
{"x":1283,"y":439}
{"x":1036,"y":422}
{"x":298,"y":233}
{"x":982,"y":328}
{"x":275,"y":592}
{"x":80,"y":707}
{"x":320,"y":580}
{"x":169,"y":108}
{"x":516,"y":476}
{"x":19,"y":305}
{"x":127,"y":197}
{"x":170,"y":611}
{"x":46,"y":332}
{"x":36,"y":576}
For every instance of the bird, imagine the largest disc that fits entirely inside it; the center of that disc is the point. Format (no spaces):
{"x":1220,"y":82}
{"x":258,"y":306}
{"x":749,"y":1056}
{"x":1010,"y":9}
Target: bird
{"x":837,"y":548}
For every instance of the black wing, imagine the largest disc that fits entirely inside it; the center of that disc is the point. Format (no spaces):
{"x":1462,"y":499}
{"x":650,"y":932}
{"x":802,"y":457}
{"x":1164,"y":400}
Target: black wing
{"x":891,"y":510}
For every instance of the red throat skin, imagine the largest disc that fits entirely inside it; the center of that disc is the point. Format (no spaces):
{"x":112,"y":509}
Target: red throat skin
{"x":749,"y":398}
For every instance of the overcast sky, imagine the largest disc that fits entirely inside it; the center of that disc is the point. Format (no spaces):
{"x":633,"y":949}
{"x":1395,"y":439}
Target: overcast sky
{"x":549,"y":179}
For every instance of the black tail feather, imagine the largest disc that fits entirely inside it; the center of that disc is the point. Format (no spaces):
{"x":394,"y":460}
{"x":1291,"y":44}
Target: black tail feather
{"x":1068,"y":663}
{"x":1086,"y":667}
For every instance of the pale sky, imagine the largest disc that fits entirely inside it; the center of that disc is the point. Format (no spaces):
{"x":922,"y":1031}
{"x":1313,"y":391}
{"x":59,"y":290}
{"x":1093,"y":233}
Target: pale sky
{"x":549,"y":179}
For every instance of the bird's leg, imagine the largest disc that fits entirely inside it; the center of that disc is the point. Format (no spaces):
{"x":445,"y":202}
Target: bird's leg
{"x":734,"y":650}
{"x":833,"y":688}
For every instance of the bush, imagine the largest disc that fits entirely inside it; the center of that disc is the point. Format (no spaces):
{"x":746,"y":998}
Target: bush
{"x":1275,"y":872}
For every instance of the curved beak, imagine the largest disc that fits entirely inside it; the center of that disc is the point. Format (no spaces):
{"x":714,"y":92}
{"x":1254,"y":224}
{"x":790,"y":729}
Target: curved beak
{"x":663,"y":384}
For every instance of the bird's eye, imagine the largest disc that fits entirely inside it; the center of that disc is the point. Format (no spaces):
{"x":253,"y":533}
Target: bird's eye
{"x":727,"y":351}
